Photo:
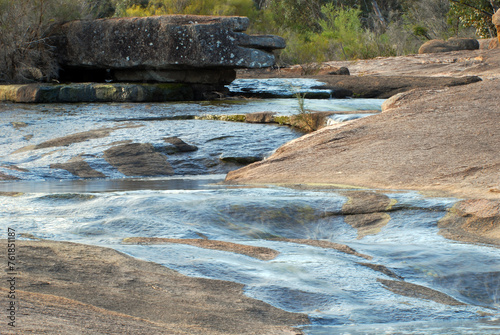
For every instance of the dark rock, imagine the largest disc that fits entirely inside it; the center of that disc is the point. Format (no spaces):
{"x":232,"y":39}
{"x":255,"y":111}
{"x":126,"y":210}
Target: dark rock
{"x":179,"y":145}
{"x":4,"y":176}
{"x":78,"y":167}
{"x":219,"y":138}
{"x":453,"y":44}
{"x":138,"y":159}
{"x":244,"y":160}
{"x":198,"y":76}
{"x":342,"y":71}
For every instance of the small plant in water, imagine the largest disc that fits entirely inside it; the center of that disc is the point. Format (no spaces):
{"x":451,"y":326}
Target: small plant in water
{"x":304,"y":119}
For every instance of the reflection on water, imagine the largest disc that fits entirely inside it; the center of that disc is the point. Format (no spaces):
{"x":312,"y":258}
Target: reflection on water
{"x":111,"y":185}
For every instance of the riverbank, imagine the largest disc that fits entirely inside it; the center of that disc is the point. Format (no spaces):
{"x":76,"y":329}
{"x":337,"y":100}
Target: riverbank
{"x":441,"y":141}
{"x":82,"y":289}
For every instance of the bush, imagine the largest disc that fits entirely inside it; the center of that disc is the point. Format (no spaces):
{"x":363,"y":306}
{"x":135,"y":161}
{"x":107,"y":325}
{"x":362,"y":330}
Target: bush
{"x":199,"y":7}
{"x":26,"y":54}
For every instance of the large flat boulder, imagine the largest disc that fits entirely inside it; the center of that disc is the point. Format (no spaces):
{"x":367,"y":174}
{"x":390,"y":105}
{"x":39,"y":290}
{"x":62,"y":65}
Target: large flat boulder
{"x":129,"y":48}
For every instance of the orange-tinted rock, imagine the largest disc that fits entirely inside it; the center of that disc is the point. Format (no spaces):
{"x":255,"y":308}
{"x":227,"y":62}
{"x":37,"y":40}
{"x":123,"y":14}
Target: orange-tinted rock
{"x":476,"y":220}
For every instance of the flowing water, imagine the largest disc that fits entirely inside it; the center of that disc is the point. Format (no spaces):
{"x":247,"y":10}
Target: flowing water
{"x":338,"y":293}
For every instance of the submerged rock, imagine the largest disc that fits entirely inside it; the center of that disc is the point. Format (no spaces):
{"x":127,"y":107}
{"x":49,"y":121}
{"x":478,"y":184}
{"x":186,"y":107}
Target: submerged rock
{"x":417,"y":291}
{"x":383,"y":269}
{"x":179,"y":145}
{"x":262,"y":253}
{"x":475,"y":220}
{"x":4,"y":176}
{"x":138,"y":159}
{"x":368,"y":224}
{"x":366,"y":211}
{"x":78,"y":167}
{"x":324,"y":244}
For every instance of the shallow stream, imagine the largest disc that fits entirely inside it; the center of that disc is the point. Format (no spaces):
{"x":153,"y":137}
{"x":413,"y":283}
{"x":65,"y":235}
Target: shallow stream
{"x":339,"y":292}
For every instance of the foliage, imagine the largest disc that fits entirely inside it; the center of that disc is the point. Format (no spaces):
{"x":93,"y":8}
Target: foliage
{"x":26,"y":52}
{"x":315,"y":30}
{"x":199,"y":7}
{"x":475,"y":13}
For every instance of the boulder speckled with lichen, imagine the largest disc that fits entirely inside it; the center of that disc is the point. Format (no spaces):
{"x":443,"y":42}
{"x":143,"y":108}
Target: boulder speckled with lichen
{"x":167,"y":43}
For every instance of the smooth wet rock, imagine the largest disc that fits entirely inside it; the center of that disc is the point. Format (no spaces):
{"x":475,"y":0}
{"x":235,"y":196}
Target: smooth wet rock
{"x":453,"y":44}
{"x":366,"y":211}
{"x":262,"y":253}
{"x":366,"y":202}
{"x":324,"y":244}
{"x":138,"y":159}
{"x":75,"y":138}
{"x":179,"y":145}
{"x":78,"y":167}
{"x":58,"y":279}
{"x":476,"y":220}
{"x":367,"y":224}
{"x":417,"y":291}
{"x":383,"y":269}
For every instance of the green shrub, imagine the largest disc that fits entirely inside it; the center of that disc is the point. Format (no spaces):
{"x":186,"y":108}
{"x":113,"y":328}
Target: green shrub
{"x":200,"y":7}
